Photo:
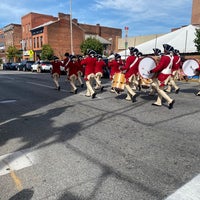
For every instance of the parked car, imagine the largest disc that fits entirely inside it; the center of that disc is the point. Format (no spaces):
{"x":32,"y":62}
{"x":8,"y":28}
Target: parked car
{"x":25,"y":65}
{"x":9,"y":66}
{"x":42,"y":66}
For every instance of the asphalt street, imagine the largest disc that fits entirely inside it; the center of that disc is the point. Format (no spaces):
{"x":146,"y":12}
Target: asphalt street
{"x":56,"y":145}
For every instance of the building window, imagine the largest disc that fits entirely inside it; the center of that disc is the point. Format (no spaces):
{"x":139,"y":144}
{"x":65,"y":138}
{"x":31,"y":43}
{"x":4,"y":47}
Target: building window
{"x":34,"y":42}
{"x":38,"y":42}
{"x":30,"y":43}
{"x":26,"y":44}
{"x":41,"y":41}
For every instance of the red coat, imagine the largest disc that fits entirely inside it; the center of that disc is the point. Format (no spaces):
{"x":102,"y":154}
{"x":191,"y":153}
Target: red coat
{"x":72,"y":68}
{"x":131,"y":66}
{"x":80,"y":67}
{"x":114,"y":67}
{"x":56,"y":66}
{"x":163,"y":68}
{"x":198,"y":69}
{"x":89,"y":63}
{"x":66,"y":60}
{"x":176,"y":63}
{"x":100,"y":64}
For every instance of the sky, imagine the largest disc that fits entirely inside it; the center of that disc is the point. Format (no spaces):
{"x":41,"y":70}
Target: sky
{"x":142,"y":17}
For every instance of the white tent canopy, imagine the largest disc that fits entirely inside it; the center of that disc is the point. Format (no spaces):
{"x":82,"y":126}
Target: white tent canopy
{"x":181,"y":39}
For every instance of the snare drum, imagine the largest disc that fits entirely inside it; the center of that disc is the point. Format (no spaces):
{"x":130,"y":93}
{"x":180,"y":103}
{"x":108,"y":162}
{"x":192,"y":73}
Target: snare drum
{"x":119,"y":81}
{"x":145,"y":82}
{"x":189,"y":67}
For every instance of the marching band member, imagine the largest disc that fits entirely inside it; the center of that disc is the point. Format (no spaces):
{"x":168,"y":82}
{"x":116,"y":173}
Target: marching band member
{"x":131,"y":71}
{"x":66,"y":62}
{"x":80,"y":70}
{"x":72,"y":68}
{"x":163,"y":70}
{"x":89,"y":62}
{"x":175,"y":68}
{"x":198,"y":72}
{"x":56,"y":63}
{"x":158,"y":55}
{"x":114,"y":66}
{"x":100,"y":64}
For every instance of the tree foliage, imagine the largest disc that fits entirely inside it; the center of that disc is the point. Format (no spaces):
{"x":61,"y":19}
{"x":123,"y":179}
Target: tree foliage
{"x":47,"y":52}
{"x":91,"y":43}
{"x":197,"y":40}
{"x":13,"y":53}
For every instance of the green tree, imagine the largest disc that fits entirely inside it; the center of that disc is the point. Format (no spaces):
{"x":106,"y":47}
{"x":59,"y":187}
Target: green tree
{"x":197,"y":40}
{"x":13,"y":54}
{"x":47,"y":52}
{"x":91,"y":43}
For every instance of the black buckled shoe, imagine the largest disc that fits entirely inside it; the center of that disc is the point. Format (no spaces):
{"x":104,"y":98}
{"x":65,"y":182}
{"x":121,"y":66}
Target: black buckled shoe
{"x":170,"y":106}
{"x":102,"y":88}
{"x":177,"y":91}
{"x":94,"y":95}
{"x":133,"y":98}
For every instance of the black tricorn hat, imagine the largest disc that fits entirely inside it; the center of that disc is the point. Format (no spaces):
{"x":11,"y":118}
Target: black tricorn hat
{"x":55,"y":58}
{"x":139,"y":54}
{"x":66,"y":54}
{"x":157,"y":51}
{"x":168,"y":48}
{"x":176,"y":51}
{"x":117,"y":56}
{"x":133,"y":50}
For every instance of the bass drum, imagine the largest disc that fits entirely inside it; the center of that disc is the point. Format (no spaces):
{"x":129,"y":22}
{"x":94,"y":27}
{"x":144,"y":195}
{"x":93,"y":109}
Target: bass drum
{"x":119,"y":82}
{"x":189,"y":67}
{"x":144,"y":67}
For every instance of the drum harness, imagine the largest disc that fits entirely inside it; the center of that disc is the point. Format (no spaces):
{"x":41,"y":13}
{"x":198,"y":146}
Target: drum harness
{"x":168,"y":69}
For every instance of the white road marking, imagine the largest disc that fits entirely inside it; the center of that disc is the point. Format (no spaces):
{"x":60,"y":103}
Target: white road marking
{"x":81,"y":93}
{"x":7,"y":121}
{"x":189,"y":191}
{"x":16,"y":161}
{"x":40,"y":85}
{"x":8,"y":101}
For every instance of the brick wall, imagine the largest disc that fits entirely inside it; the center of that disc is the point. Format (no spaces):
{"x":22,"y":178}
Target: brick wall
{"x":108,"y":33}
{"x":195,"y":19}
{"x":59,"y":37}
{"x":58,"y":34}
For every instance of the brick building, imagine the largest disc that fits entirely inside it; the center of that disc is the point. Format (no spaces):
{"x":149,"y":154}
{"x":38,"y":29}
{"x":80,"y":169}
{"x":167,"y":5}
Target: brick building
{"x":195,"y":19}
{"x":2,"y":45}
{"x":39,"y":29}
{"x":28,"y":22}
{"x":12,"y":36}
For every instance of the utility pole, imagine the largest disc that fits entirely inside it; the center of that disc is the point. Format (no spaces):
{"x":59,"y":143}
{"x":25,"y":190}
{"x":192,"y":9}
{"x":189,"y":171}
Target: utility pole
{"x":126,"y":41}
{"x":71,"y":32}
